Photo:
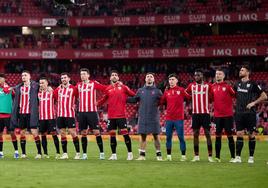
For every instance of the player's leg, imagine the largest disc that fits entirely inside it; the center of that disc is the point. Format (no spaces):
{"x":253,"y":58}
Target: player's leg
{"x":228,"y":126}
{"x":61,"y":123}
{"x":180,"y":132}
{"x":206,"y":125}
{"x":219,"y":128}
{"x":157,"y":146}
{"x":251,"y":127}
{"x":43,"y":128}
{"x":196,"y":129}
{"x":35,"y":134}
{"x":240,"y":133}
{"x":72,"y":131}
{"x":169,"y":132}
{"x":112,"y":132}
{"x":93,"y":121}
{"x":83,"y":128}
{"x":23,"y":125}
{"x":13,"y":138}
{"x":1,"y":141}
{"x":122,"y":125}
{"x":52,"y":129}
{"x":142,"y":147}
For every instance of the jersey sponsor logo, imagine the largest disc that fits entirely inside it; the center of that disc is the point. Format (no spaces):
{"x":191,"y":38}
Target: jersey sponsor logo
{"x":242,"y":90}
{"x":199,"y":92}
{"x":84,"y":90}
{"x":43,"y":99}
{"x":153,"y":92}
{"x":119,"y":88}
{"x":248,"y":85}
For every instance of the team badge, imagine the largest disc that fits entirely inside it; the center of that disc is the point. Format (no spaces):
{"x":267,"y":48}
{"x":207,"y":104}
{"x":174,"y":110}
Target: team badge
{"x":153,"y":92}
{"x":248,"y":85}
{"x":119,"y":88}
{"x":178,"y":92}
{"x":224,"y":89}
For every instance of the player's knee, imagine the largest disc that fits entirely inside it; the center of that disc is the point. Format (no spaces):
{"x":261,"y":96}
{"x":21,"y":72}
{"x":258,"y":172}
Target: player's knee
{"x":124,"y":132}
{"x":112,"y":133}
{"x":96,"y":132}
{"x":53,"y":133}
{"x":239,"y":133}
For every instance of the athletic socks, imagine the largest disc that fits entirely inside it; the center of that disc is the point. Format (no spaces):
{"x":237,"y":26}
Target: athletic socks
{"x":128,"y":142}
{"x":76,"y":144}
{"x":1,"y":143}
{"x":44,"y":143}
{"x":23,"y":144}
{"x":84,"y":144}
{"x":218,"y":146}
{"x":113,"y":144}
{"x":239,"y":145}
{"x":100,"y":143}
{"x":14,"y":142}
{"x":251,"y":146}
{"x":64,"y":144}
{"x":56,"y":143}
{"x":231,"y":146}
{"x":38,"y":144}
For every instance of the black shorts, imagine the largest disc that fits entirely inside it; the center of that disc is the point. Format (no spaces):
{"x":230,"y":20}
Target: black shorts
{"x":47,"y":126}
{"x":65,"y":122}
{"x":120,"y":123}
{"x":226,"y":123}
{"x":246,"y":121}
{"x":199,"y":120}
{"x":88,"y":120}
{"x":24,"y":122}
{"x":4,"y":122}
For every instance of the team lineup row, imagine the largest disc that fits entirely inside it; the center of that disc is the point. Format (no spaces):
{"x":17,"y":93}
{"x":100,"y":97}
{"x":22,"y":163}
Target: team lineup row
{"x":30,"y":105}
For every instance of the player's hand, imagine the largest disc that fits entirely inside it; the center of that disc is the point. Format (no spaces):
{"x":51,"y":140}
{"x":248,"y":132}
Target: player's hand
{"x":250,"y":105}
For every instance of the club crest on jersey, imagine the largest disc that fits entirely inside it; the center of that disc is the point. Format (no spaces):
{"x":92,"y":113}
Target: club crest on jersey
{"x":178,"y":92}
{"x":119,"y":88}
{"x":224,"y":89}
{"x":248,"y":85}
{"x":153,"y":92}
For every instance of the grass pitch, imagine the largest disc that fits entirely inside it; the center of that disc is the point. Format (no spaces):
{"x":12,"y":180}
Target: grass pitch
{"x":50,"y":173}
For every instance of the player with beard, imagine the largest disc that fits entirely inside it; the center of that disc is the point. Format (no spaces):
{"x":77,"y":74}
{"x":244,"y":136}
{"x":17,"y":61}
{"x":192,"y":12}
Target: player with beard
{"x":248,"y":95}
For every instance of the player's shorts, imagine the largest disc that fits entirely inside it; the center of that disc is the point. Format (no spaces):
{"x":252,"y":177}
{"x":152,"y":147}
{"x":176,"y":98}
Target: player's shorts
{"x":120,"y":123}
{"x":4,"y":122}
{"x":65,"y":122}
{"x":47,"y":126}
{"x":226,"y":123}
{"x":201,"y":120}
{"x":24,"y":122}
{"x":88,"y":120}
{"x":246,"y":121}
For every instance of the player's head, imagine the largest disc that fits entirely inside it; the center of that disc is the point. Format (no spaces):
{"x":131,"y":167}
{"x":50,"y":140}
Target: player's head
{"x":149,"y":78}
{"x":244,"y":71}
{"x":114,"y":76}
{"x":198,"y":75}
{"x":172,"y":80}
{"x":2,"y":78}
{"x":84,"y":74}
{"x":43,"y":83}
{"x":219,"y":75}
{"x":65,"y":78}
{"x":25,"y":76}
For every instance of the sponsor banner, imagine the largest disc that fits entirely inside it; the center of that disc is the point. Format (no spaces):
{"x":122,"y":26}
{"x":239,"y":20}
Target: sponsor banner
{"x":10,"y":54}
{"x":102,"y":21}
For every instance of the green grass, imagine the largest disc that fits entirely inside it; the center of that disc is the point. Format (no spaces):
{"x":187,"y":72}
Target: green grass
{"x":50,"y":173}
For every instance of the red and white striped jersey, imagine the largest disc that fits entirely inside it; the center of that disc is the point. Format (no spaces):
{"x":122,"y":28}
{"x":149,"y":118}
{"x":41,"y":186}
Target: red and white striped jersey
{"x":200,"y":97}
{"x":87,"y":95}
{"x":24,"y":100}
{"x":65,"y":98}
{"x":46,"y":105}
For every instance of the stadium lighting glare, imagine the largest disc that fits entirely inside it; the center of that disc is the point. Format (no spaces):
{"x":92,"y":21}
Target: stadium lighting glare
{"x":47,"y":28}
